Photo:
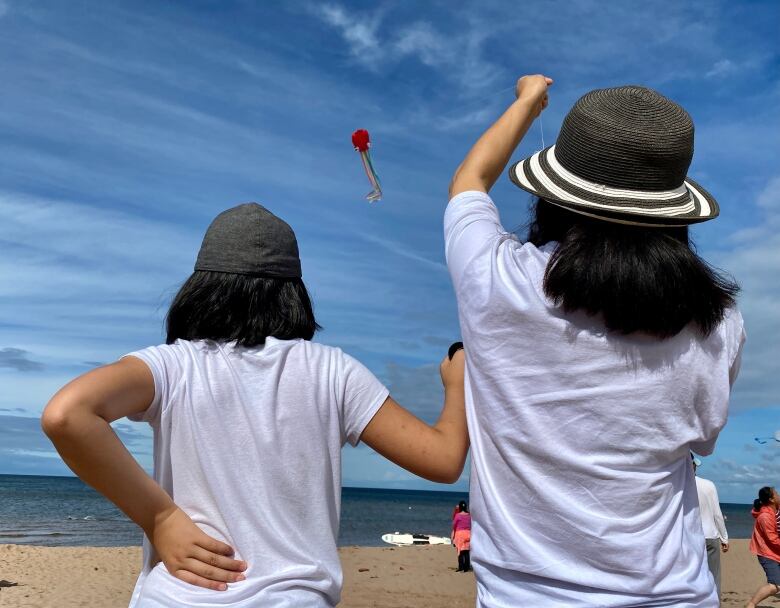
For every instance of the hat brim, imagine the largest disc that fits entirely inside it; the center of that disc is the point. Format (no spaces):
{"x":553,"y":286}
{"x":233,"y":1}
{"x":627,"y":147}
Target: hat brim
{"x":541,"y":174}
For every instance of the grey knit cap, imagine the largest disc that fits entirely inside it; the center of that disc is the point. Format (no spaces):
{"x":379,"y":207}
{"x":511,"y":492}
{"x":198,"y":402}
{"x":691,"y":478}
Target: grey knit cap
{"x":249,"y":239}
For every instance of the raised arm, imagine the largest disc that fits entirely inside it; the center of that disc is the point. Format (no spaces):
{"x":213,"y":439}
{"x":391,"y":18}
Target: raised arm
{"x":436,"y":452}
{"x":77,"y":420}
{"x":488,"y":157}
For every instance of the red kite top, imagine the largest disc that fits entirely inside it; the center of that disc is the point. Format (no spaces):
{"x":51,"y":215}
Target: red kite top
{"x":361,"y":140}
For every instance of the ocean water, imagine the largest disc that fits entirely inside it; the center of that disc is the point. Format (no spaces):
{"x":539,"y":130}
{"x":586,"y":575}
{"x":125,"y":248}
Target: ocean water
{"x":64,"y":511}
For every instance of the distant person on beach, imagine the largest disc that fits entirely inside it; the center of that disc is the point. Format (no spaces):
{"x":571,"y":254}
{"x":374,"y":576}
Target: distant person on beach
{"x":716,"y":537}
{"x":461,"y":536}
{"x":249,"y":418}
{"x":599,"y":351}
{"x":765,"y":542}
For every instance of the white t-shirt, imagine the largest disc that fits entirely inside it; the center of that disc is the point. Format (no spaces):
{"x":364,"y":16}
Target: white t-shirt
{"x":712,"y":521}
{"x":247,"y":441}
{"x":582,"y":490}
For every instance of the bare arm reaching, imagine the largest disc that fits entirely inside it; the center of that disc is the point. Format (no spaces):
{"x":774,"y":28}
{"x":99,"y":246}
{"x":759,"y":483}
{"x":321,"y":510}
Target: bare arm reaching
{"x":435,"y":452}
{"x":77,"y":420}
{"x":488,"y":157}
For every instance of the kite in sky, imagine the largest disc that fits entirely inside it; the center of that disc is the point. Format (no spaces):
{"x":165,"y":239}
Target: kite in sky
{"x":763,"y":440}
{"x":362,"y":144}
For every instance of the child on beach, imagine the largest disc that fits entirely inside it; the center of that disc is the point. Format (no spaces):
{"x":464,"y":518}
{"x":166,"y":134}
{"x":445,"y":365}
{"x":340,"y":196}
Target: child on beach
{"x":249,"y":419}
{"x":765,"y":542}
{"x":599,"y":352}
{"x":461,"y":536}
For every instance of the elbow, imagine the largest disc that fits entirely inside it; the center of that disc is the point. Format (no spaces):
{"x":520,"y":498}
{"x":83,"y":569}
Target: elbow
{"x":449,"y":475}
{"x":57,"y":419}
{"x":450,"y":479}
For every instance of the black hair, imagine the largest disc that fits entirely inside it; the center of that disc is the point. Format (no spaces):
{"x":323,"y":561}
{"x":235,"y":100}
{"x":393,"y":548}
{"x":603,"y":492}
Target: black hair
{"x":765,"y":495}
{"x":463,"y":507}
{"x":224,"y":307}
{"x":639,"y":279}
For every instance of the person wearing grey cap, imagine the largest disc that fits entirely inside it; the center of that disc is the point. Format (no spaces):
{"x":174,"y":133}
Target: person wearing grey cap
{"x":249,"y":418}
{"x":601,"y":349}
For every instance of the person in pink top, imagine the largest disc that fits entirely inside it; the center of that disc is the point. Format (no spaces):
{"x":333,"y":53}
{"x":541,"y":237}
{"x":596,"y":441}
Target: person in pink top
{"x":461,"y":536}
{"x":765,"y":542}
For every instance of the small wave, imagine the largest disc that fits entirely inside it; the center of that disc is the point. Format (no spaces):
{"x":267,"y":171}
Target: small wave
{"x":32,"y":534}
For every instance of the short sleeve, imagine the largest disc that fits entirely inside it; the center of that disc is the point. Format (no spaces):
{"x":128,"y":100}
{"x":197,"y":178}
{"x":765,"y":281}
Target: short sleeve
{"x":736,"y":344}
{"x":156,"y":360}
{"x":734,"y":341}
{"x":361,"y":395}
{"x":471,"y":228}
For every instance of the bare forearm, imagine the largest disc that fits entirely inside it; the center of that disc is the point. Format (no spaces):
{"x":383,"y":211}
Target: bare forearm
{"x":89,"y":446}
{"x":434,"y":452}
{"x":453,"y":431}
{"x":489,"y":156}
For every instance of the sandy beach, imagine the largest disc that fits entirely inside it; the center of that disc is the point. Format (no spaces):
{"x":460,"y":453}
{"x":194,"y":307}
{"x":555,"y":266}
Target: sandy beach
{"x":66,"y":577}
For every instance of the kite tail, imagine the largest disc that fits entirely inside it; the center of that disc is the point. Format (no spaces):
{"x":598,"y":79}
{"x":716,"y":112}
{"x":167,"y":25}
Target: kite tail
{"x":373,"y":178}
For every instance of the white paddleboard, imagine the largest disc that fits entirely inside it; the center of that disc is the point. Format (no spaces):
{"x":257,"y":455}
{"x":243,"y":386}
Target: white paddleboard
{"x":409,"y":540}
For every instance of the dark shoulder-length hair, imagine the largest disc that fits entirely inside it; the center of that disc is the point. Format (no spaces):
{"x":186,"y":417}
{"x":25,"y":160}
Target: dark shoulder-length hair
{"x":227,"y":307}
{"x":765,"y":496}
{"x":638,"y":279}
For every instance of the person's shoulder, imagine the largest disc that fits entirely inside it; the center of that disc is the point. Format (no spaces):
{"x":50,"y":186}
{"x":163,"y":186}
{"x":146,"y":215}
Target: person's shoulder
{"x":469,"y":196}
{"x":319,"y":352}
{"x":160,"y":351}
{"x":540,"y":254}
{"x":318,"y":348}
{"x":469,"y":203}
{"x":733,"y":324}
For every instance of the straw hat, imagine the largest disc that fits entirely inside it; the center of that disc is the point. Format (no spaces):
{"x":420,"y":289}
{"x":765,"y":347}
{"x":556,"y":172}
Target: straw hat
{"x":622,"y":155}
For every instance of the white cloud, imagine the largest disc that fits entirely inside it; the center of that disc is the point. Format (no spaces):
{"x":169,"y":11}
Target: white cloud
{"x":403,"y":250}
{"x":769,"y":198}
{"x":729,"y":67}
{"x":459,"y":58}
{"x":724,"y":67}
{"x":422,"y":40}
{"x":754,"y":259}
{"x":4,"y":8}
{"x":359,"y":32}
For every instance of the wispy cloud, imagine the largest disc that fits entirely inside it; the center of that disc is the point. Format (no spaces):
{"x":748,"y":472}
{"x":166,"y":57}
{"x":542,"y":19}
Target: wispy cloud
{"x":754,"y":260}
{"x":722,"y":67}
{"x":24,"y":447}
{"x":18,"y":359}
{"x":403,"y":250}
{"x":421,"y":40}
{"x":457,"y":58}
{"x":358,"y":31}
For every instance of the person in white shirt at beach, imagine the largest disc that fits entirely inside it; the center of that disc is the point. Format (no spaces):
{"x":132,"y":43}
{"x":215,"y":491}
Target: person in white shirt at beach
{"x":599,"y":352}
{"x":716,"y":537}
{"x":249,"y":418}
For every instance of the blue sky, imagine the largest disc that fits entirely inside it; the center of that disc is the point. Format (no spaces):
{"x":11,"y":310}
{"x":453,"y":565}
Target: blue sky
{"x":125,"y":127}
